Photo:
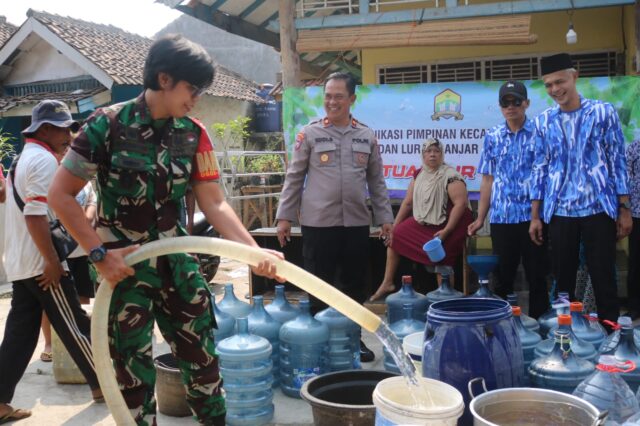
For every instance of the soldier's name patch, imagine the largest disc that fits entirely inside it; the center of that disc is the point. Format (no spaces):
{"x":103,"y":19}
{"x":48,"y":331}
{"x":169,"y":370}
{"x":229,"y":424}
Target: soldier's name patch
{"x":323,"y":139}
{"x":358,"y":140}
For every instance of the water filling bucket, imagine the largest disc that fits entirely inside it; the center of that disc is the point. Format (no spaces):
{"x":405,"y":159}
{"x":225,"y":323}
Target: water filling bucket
{"x":395,"y":405}
{"x":343,"y":397}
{"x":531,"y":407}
{"x":170,"y":392}
{"x":434,"y":250}
{"x":412,"y":344}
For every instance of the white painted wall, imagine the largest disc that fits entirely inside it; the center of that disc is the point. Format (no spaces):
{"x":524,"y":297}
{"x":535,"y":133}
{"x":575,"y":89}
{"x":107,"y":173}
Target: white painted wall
{"x":42,"y":62}
{"x":211,"y":109}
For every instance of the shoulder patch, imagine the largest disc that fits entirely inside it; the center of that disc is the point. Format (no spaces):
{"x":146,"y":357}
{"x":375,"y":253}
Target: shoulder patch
{"x":355,"y":123}
{"x":299,"y":140}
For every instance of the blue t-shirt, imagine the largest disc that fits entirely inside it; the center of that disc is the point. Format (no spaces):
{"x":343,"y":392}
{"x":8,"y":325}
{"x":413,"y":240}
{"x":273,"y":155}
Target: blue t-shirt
{"x":508,"y":157}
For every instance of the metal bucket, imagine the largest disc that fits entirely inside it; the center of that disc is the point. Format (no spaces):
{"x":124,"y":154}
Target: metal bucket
{"x":531,"y":406}
{"x":170,"y":391}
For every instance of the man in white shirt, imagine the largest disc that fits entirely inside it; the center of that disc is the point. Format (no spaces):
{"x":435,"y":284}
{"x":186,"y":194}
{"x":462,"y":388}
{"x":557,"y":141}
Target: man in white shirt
{"x":40,"y":281}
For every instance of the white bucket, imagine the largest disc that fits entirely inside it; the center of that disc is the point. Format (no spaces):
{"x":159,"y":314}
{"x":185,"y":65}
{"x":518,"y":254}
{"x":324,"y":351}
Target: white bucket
{"x":395,"y":406}
{"x":413,"y":345}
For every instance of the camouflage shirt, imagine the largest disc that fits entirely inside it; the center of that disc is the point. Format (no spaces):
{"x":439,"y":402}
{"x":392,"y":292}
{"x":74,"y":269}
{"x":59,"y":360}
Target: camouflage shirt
{"x":143,"y":167}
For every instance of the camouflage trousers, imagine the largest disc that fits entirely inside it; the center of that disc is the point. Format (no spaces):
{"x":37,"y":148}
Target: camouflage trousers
{"x":170,"y":290}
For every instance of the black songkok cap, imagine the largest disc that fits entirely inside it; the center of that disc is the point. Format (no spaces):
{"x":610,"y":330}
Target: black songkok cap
{"x":559,"y":62}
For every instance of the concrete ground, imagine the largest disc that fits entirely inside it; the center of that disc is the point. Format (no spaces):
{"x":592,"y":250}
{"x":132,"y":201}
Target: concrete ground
{"x":71,"y":405}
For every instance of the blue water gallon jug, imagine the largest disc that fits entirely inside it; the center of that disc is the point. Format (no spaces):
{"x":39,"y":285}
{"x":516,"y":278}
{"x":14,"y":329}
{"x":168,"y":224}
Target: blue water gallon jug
{"x":527,"y":321}
{"x":561,"y":370}
{"x":402,"y":328}
{"x":484,"y":291}
{"x":406,"y":294}
{"x":304,"y":347}
{"x":582,"y":326}
{"x":280,"y":309}
{"x":225,"y":322}
{"x":550,"y":318}
{"x":245,"y":365}
{"x":470,"y":337}
{"x":606,"y":389}
{"x":528,"y":339}
{"x":263,"y":325}
{"x":579,"y":347}
{"x":624,"y":349}
{"x":231,"y":305}
{"x":612,"y":339}
{"x":444,"y":292}
{"x":344,"y":340}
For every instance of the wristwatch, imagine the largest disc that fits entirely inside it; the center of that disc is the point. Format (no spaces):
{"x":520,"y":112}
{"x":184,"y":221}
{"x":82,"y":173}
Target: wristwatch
{"x":624,"y":205}
{"x":97,"y":254}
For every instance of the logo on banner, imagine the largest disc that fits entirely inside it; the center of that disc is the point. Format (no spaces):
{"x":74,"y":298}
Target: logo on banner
{"x":447,"y":104}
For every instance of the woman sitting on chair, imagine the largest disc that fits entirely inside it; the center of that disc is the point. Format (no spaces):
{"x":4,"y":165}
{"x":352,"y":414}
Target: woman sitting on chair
{"x":436,"y":205}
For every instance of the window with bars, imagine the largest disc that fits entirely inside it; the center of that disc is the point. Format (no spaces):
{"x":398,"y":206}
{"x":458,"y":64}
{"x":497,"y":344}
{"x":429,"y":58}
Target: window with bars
{"x":589,"y":65}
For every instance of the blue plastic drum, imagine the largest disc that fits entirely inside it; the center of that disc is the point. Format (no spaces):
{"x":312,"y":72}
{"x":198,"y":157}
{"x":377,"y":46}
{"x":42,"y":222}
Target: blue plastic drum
{"x":472,"y":337}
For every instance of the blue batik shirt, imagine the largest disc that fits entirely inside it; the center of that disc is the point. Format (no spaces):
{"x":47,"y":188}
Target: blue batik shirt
{"x":633,"y":168}
{"x":576,"y":197}
{"x":508,"y":157}
{"x":599,"y":148}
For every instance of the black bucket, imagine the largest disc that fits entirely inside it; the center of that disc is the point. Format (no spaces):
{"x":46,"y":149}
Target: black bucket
{"x":170,"y":392}
{"x":343,"y":397}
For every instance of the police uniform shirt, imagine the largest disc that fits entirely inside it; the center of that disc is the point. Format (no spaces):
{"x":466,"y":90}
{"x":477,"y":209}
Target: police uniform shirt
{"x":339,"y":165}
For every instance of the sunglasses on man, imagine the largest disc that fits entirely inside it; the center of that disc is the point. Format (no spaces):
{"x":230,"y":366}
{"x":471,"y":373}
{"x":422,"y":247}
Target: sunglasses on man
{"x":506,"y":103}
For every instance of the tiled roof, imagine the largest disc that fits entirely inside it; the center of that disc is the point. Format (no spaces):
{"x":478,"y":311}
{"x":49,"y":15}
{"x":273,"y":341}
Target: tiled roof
{"x":6,"y":30}
{"x":121,"y":54}
{"x":118,"y":53}
{"x":9,"y":102}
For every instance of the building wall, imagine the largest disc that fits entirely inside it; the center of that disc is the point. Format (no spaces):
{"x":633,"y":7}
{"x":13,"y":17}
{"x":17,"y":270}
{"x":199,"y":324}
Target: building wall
{"x":212,"y":110}
{"x":598,"y":29}
{"x":42,"y":62}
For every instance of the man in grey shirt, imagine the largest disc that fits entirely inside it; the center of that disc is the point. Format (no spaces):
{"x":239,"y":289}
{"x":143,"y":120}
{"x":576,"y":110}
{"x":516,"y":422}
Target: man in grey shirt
{"x":339,"y":159}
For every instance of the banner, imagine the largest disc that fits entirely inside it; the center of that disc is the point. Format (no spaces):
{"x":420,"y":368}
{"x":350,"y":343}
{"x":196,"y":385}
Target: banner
{"x":458,"y":114}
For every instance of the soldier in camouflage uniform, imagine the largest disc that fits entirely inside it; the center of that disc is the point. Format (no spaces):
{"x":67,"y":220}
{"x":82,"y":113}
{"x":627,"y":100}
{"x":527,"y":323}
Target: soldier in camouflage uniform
{"x":145,"y":152}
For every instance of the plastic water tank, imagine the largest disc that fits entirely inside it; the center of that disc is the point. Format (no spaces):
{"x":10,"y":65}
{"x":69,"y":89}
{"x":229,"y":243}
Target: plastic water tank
{"x":245,"y":365}
{"x":280,"y":309}
{"x":304,"y":350}
{"x":262,"y":324}
{"x":406,"y":294}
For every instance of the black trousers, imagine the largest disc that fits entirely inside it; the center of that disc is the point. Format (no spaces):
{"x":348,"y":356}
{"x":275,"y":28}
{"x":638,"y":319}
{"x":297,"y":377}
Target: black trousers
{"x":633,"y":279}
{"x":598,"y":233}
{"x":512,"y":243}
{"x":338,"y":255}
{"x":22,"y":329}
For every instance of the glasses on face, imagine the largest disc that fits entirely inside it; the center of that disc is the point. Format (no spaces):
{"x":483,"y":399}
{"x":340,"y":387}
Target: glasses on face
{"x":196,"y":91}
{"x":506,"y":103}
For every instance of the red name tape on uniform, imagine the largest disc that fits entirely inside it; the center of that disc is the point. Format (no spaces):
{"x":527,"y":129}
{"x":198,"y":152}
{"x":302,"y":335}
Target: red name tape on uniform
{"x":206,"y":164}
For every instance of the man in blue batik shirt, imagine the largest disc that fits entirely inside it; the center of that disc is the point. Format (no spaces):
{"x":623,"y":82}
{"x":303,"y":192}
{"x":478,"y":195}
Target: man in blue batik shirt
{"x":505,"y":163}
{"x":579,"y":179}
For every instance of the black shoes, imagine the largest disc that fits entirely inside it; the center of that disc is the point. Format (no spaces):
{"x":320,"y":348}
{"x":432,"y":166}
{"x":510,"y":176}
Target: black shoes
{"x":366,"y":354}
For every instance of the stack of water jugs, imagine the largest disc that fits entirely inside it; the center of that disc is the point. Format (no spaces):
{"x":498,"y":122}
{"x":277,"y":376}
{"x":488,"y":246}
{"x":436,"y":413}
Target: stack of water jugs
{"x":573,"y":354}
{"x":263,"y":347}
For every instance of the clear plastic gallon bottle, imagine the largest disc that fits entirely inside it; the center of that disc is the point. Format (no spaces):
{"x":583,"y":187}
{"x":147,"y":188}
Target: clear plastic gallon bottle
{"x":245,"y":365}
{"x":444,"y":291}
{"x":344,"y":340}
{"x":402,"y":328}
{"x":582,"y":349}
{"x":549,"y":318}
{"x":406,"y":294}
{"x":304,"y":347}
{"x":581,"y":326}
{"x":225,"y":322}
{"x":231,"y":305}
{"x":527,"y":321}
{"x":624,"y":349}
{"x":263,"y":325}
{"x":528,"y":338}
{"x":280,"y":309}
